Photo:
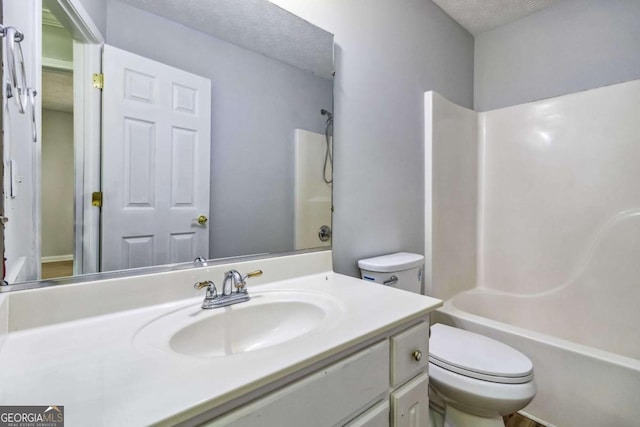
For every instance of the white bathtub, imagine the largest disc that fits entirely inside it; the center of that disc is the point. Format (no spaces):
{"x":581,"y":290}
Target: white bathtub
{"x":532,"y":236}
{"x":578,"y":384}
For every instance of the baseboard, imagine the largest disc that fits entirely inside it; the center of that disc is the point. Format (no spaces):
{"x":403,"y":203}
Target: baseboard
{"x":56,"y":258}
{"x":536,"y":419}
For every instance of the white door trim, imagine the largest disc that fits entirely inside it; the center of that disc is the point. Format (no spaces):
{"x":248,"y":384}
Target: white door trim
{"x":77,"y":20}
{"x":87,"y":132}
{"x":87,"y":60}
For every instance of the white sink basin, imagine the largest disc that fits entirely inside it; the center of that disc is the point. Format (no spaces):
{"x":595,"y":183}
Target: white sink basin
{"x":268,"y":319}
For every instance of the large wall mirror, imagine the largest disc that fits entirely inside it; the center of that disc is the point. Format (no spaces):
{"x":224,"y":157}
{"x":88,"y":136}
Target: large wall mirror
{"x":211,"y":137}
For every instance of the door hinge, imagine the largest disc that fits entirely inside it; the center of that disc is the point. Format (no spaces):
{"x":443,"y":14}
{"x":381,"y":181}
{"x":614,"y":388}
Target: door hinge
{"x":98,"y":80}
{"x":96,"y":199}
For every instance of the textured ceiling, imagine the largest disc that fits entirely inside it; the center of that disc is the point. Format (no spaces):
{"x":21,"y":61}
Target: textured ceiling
{"x":478,"y":16}
{"x":254,"y":24}
{"x":57,"y":90}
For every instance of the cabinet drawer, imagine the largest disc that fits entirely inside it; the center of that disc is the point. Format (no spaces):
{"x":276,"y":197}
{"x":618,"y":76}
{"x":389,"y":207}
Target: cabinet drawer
{"x":321,"y":399}
{"x":409,"y":353}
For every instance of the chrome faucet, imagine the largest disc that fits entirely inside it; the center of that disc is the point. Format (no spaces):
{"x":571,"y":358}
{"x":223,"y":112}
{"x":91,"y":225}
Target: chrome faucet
{"x":200,"y":261}
{"x":232,"y":278}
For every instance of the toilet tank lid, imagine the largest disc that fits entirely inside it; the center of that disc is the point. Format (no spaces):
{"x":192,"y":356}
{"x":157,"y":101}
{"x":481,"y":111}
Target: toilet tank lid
{"x":392,"y":262}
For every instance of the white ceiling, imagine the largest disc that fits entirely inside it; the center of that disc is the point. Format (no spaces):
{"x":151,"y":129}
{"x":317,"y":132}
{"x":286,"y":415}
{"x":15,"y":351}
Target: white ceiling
{"x":253,"y":24}
{"x":478,"y":16}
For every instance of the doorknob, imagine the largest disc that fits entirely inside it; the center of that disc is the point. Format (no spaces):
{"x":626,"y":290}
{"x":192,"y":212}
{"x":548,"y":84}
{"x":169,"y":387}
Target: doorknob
{"x":202,"y":220}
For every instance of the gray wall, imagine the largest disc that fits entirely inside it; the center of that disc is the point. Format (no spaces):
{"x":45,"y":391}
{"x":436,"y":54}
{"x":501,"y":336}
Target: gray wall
{"x":388,"y":54}
{"x":97,"y":9}
{"x":57,"y":183}
{"x":257,"y":103}
{"x":572,"y":46}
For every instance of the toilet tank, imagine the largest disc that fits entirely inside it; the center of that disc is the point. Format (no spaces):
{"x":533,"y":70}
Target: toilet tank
{"x":402,"y":270}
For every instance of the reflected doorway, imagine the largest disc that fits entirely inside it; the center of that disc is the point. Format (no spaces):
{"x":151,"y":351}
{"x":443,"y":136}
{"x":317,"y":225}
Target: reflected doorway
{"x":57,"y":176}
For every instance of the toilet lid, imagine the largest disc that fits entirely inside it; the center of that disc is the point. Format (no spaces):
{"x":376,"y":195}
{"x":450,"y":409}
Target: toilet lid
{"x":477,"y":356}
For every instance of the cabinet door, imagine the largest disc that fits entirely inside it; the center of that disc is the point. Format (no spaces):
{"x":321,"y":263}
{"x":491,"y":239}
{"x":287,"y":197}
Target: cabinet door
{"x":410,"y":403}
{"x":321,"y":399}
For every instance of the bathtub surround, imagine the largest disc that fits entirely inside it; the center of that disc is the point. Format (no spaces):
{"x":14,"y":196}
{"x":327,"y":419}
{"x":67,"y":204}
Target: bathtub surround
{"x":558,"y":224}
{"x":451,"y":164}
{"x":312,"y":196}
{"x":571,"y":46}
{"x":558,"y":177}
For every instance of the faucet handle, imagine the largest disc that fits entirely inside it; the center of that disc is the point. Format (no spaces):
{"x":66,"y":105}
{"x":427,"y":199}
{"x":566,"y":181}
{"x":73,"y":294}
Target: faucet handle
{"x":200,"y":285}
{"x":212,"y":292}
{"x":253,"y":274}
{"x":211,"y":296}
{"x":240,"y":285}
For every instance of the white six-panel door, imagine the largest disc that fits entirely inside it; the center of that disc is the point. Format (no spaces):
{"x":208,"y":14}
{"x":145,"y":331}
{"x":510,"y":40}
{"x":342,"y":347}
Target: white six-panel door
{"x":155,"y":173}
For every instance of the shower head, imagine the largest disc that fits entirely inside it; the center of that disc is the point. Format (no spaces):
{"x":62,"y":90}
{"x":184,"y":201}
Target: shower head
{"x":326,"y":113}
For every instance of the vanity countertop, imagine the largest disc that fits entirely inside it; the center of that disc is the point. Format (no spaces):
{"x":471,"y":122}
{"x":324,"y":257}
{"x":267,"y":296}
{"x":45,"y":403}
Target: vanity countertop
{"x":94,"y":368}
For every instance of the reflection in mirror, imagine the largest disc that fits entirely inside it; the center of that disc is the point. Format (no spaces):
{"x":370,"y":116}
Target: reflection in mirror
{"x":212,"y":139}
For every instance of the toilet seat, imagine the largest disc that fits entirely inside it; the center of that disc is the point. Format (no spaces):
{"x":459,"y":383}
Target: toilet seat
{"x":476,"y":356}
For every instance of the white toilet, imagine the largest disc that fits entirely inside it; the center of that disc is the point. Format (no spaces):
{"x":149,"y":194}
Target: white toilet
{"x":478,"y":379}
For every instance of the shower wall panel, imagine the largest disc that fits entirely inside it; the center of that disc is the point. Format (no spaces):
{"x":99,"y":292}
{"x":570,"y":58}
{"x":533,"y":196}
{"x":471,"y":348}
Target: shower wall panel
{"x":451,"y":196}
{"x":555,"y":174}
{"x":312,"y":194}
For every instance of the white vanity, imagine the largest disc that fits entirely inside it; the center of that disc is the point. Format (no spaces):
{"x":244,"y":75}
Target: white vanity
{"x":311,"y":348}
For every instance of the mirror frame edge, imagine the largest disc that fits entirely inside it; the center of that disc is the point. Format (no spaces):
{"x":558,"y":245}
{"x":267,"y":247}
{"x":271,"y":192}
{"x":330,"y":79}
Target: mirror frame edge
{"x":154,"y":269}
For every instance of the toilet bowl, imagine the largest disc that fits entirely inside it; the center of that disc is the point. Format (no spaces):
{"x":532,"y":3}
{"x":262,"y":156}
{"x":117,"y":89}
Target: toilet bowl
{"x":477,"y":378}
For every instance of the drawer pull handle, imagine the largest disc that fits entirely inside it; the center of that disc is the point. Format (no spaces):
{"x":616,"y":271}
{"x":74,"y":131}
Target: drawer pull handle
{"x":417,"y":355}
